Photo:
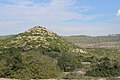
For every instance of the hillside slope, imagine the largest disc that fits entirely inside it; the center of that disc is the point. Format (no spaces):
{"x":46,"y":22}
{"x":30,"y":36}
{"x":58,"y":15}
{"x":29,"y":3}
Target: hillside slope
{"x":41,"y":54}
{"x":40,"y":37}
{"x":37,"y":54}
{"x":110,"y":41}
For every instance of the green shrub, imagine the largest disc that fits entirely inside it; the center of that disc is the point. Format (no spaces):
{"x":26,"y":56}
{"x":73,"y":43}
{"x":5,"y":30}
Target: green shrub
{"x":92,"y":59}
{"x":68,"y":62}
{"x":27,"y":65}
{"x":105,"y":69}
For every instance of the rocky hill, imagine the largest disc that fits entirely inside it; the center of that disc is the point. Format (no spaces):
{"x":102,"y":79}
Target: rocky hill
{"x":37,"y":54}
{"x":40,"y":37}
{"x":41,"y":54}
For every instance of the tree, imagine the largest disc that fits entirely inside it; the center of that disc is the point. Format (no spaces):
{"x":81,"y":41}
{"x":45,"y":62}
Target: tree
{"x":68,"y":63}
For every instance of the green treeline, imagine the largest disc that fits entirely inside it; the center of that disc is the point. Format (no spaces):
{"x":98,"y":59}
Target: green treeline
{"x":35,"y":64}
{"x":105,"y":68}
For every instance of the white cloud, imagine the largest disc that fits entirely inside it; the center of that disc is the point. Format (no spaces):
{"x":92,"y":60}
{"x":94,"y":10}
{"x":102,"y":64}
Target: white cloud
{"x":23,"y":14}
{"x":27,"y":13}
{"x":87,"y":7}
{"x":118,"y":12}
{"x":86,"y":29}
{"x":56,"y":10}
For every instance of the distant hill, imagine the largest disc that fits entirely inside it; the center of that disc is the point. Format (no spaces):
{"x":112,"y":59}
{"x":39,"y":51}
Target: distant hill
{"x":5,"y":37}
{"x":110,"y":41}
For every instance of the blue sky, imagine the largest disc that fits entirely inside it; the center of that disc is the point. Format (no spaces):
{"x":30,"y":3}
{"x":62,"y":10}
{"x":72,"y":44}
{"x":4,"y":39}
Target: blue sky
{"x":65,"y":17}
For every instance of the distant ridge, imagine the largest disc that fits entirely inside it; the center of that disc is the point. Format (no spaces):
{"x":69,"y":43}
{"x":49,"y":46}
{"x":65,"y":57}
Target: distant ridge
{"x":109,"y":41}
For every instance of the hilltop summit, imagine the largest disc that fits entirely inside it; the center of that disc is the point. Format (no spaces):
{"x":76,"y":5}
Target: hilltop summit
{"x":37,"y":54}
{"x":40,"y":37}
{"x":39,"y":31}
